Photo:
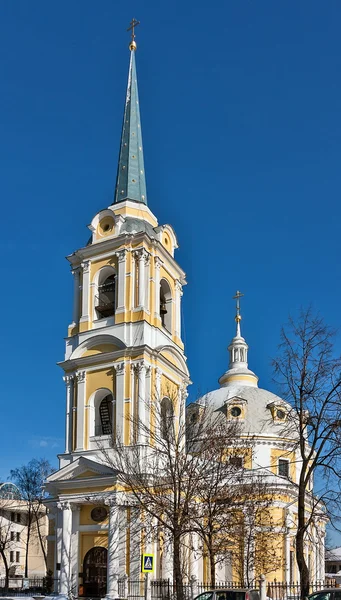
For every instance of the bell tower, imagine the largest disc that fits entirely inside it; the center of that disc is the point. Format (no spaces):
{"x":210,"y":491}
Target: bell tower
{"x":124,"y":343}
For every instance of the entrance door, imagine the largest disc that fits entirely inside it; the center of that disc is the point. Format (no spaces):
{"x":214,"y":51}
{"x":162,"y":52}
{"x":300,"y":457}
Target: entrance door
{"x":95,"y":572}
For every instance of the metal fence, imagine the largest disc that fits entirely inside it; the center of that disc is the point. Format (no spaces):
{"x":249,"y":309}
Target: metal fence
{"x":164,"y":589}
{"x":292,"y":591}
{"x":229,"y":585}
{"x":20,"y":586}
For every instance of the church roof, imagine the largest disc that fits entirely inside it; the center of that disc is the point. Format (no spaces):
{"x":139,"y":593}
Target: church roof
{"x":131,"y":179}
{"x":239,"y":385}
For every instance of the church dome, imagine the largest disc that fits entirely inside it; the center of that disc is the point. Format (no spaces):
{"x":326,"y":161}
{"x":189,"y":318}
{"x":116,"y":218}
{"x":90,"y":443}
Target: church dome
{"x":262,"y":413}
{"x":258,"y":412}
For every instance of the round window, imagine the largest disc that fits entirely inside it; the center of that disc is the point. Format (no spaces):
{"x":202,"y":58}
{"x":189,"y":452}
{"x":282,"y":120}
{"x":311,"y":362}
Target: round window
{"x":236,"y":411}
{"x":99,"y":513}
{"x":280,"y":414}
{"x":106,"y":227}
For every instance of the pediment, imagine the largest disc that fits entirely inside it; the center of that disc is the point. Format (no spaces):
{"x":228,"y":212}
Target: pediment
{"x":236,"y":399}
{"x":81,"y":468}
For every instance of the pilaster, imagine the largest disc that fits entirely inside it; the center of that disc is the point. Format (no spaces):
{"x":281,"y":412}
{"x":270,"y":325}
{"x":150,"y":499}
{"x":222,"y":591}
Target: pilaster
{"x":65,"y":580}
{"x":69,"y":383}
{"x":121,"y":279}
{"x":141,"y":371}
{"x":178,"y":294}
{"x":113,"y":549}
{"x":120,"y":396}
{"x":81,"y":386}
{"x":157,"y":264}
{"x":85,"y":317}
{"x":76,"y":295}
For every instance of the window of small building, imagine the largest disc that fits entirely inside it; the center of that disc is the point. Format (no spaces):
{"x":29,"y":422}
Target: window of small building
{"x":18,"y":536}
{"x":283,"y":467}
{"x":12,"y":536}
{"x":11,"y":556}
{"x":17,"y":556}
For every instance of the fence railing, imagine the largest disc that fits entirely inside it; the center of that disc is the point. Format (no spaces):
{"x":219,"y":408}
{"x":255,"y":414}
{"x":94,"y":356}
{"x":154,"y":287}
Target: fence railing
{"x":163,"y":589}
{"x":292,"y":591}
{"x":22,"y":586}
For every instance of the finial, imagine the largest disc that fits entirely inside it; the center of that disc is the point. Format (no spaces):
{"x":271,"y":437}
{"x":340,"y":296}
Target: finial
{"x":238,"y":317}
{"x":133,"y":24}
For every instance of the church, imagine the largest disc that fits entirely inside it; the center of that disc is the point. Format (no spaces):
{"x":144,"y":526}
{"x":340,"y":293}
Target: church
{"x":123,"y":346}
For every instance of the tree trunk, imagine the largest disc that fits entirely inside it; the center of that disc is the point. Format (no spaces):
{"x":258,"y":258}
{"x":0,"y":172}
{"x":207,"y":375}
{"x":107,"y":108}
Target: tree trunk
{"x":29,"y":524}
{"x":177,"y":571}
{"x":212,"y":566}
{"x":301,"y":529}
{"x":42,"y":545}
{"x":3,"y":556}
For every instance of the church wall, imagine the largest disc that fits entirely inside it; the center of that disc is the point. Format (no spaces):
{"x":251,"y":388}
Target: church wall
{"x":276,"y":454}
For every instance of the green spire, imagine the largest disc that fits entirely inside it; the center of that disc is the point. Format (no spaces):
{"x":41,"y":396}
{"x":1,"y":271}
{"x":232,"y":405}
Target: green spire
{"x":131,"y":180}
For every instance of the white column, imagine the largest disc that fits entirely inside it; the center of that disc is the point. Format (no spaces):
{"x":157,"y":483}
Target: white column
{"x":157,"y":262}
{"x":132,"y":403}
{"x":69,"y":405}
{"x":147,"y":282}
{"x":143,"y":257}
{"x":75,"y":548}
{"x":287,"y":557}
{"x":148,"y":394}
{"x":81,"y":383}
{"x":158,"y":374}
{"x":113,"y":550}
{"x":65,"y":583}
{"x":195,"y":556}
{"x":76,"y":283}
{"x":58,"y":547}
{"x":157,"y":403}
{"x":121,"y":280}
{"x":85,"y":291}
{"x":178,"y":294}
{"x":141,"y":369}
{"x":120,"y":396}
{"x":133,"y":280}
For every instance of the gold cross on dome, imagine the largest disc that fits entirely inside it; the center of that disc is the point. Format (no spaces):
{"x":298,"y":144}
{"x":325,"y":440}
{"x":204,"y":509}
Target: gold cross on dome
{"x":134,"y":23}
{"x":237,"y":298}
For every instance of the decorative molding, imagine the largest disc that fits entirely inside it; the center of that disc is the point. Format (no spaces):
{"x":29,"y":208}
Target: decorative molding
{"x":178,"y":287}
{"x":119,"y":367}
{"x":121,"y":254}
{"x":64,"y":505}
{"x":158,"y":262}
{"x":68,"y":379}
{"x":85,"y":266}
{"x":81,"y":376}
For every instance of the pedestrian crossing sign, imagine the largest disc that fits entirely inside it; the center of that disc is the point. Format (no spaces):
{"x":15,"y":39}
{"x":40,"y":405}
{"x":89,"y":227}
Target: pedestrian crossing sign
{"x":147,"y":563}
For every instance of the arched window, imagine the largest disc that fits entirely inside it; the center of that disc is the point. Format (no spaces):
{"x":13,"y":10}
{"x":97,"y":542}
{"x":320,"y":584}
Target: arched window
{"x":166,"y":305}
{"x":104,"y":427}
{"x":167,"y":417}
{"x":105,"y":299}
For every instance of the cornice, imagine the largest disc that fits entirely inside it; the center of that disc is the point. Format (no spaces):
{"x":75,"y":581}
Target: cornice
{"x":109,"y":359}
{"x":95,"y":251}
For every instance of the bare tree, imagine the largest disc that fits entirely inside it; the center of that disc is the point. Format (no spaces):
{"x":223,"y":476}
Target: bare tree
{"x":165,"y":471}
{"x":6,"y":542}
{"x":30,"y":480}
{"x":309,"y":374}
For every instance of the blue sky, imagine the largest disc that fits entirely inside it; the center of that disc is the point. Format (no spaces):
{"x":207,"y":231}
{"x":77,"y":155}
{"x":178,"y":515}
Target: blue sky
{"x":240,"y":105}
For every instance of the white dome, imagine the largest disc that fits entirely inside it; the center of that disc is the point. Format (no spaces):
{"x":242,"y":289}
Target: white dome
{"x":260,"y":406}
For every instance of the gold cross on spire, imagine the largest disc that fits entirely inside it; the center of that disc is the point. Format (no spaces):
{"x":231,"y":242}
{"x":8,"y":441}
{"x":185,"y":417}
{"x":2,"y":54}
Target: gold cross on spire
{"x":237,"y":298}
{"x":134,"y":23}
